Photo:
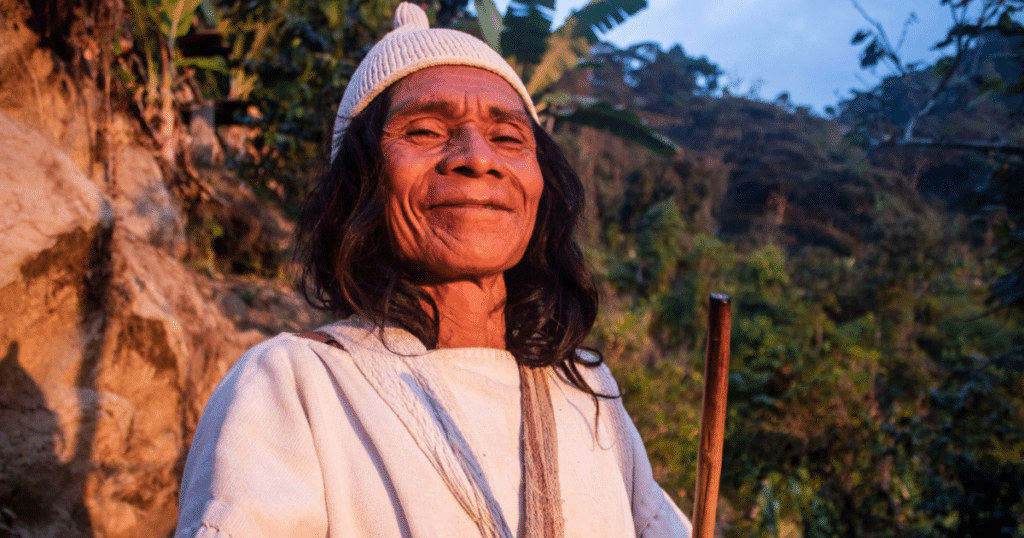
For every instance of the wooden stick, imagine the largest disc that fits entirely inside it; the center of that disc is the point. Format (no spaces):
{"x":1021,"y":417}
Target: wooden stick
{"x":712,"y":421}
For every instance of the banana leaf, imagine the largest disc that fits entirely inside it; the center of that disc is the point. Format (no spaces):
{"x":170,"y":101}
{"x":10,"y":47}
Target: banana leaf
{"x":620,"y":122}
{"x":491,"y":25}
{"x":603,"y":15}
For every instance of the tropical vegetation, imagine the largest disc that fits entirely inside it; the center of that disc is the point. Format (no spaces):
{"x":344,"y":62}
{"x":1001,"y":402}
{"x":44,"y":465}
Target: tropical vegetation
{"x":875,"y":258}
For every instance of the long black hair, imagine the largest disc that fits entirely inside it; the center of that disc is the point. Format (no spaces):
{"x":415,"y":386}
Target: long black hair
{"x":349,"y":266}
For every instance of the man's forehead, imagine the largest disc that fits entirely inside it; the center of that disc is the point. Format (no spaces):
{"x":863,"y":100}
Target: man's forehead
{"x":447,"y":107}
{"x":453,"y":90}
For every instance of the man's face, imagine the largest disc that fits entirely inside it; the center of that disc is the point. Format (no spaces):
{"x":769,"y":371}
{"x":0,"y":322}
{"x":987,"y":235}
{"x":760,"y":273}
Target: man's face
{"x":462,"y":173}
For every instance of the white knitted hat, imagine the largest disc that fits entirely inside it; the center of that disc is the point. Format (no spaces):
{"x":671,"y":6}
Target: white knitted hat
{"x":412,"y":46}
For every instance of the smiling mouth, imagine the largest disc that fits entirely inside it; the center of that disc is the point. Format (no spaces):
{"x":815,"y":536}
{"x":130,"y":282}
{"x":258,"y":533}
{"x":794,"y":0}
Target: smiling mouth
{"x":492,"y":206}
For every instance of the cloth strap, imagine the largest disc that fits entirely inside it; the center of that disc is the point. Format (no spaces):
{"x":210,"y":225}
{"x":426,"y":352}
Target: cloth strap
{"x":424,"y":411}
{"x":542,"y":494}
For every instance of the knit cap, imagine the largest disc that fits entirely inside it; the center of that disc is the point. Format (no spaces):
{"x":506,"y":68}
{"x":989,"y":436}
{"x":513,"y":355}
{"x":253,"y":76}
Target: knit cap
{"x":412,"y":46}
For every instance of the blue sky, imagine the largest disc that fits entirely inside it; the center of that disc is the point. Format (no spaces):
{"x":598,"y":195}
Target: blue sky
{"x":799,"y":46}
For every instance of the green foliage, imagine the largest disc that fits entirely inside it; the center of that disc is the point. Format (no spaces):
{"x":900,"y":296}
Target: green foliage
{"x":601,"y":16}
{"x":659,"y":79}
{"x":869,"y":396}
{"x":971,"y":443}
{"x":490,"y":21}
{"x":872,"y":392}
{"x":527,"y":27}
{"x":1005,"y":195}
{"x":664,"y":402}
{"x":863,"y":396}
{"x":203,"y":231}
{"x":660,"y":241}
{"x":543,"y":54}
{"x":620,"y":122}
{"x":150,"y":70}
{"x":976,"y":82}
{"x":542,"y":57}
{"x":292,"y":61}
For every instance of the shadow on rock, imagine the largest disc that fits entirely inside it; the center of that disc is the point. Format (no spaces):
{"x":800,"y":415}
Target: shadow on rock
{"x":38,"y":493}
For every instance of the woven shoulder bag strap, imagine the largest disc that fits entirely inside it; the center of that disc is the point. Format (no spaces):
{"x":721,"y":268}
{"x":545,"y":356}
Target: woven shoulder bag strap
{"x":542,"y":505}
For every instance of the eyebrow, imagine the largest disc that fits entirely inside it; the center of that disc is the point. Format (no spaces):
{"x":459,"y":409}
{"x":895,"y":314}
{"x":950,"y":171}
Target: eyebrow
{"x":447,"y":108}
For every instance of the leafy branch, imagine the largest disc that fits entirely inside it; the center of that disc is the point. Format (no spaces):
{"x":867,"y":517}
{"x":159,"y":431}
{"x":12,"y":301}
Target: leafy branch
{"x":965,"y":35}
{"x":156,"y":25}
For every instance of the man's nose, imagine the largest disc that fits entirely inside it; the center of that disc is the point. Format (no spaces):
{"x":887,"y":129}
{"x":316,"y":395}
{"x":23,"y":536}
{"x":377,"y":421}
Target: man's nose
{"x":470,"y":154}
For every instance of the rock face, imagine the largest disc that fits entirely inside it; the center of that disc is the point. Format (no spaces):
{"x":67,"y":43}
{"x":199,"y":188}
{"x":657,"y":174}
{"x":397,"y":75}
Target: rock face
{"x":142,"y":201}
{"x":46,"y":320}
{"x":164,"y":346}
{"x":109,"y":344}
{"x":46,"y":197}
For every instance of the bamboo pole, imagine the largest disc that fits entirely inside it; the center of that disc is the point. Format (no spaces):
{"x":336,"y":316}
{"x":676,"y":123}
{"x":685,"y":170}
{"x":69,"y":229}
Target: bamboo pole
{"x":712,"y":421}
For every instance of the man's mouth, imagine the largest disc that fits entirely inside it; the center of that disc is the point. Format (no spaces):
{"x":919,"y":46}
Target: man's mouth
{"x":493,"y":205}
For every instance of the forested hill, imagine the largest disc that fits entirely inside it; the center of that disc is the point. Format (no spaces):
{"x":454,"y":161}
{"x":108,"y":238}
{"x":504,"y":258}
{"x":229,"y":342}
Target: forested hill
{"x":878,"y":346}
{"x":772,"y":167}
{"x":875,"y":257}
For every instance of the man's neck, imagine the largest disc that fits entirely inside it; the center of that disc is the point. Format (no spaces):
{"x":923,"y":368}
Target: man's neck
{"x":472,"y":313}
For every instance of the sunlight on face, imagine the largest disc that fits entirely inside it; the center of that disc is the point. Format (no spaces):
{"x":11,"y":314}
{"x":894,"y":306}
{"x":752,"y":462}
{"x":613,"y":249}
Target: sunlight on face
{"x":462,"y":172}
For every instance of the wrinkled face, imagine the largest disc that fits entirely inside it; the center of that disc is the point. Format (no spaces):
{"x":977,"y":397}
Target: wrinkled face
{"x":462,"y":172}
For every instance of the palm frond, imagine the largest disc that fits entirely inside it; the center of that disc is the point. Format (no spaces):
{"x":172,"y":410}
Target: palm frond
{"x":599,"y":16}
{"x":527,"y":24}
{"x":620,"y":122}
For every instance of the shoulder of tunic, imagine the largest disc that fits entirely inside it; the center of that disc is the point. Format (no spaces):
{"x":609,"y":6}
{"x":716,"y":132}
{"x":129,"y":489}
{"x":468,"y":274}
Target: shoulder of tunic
{"x":599,"y":376}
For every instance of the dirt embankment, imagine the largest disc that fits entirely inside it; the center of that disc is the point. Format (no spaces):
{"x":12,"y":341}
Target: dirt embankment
{"x":110,"y":343}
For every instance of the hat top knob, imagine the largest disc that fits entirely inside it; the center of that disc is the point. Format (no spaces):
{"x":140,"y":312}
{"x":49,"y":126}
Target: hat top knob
{"x":409,"y":16}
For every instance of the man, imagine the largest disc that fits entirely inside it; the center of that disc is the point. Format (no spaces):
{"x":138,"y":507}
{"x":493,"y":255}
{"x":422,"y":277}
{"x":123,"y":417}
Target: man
{"x":451,"y":399}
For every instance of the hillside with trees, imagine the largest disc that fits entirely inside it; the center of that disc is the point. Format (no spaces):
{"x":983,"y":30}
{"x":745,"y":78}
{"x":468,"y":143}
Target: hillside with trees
{"x":875,"y":257}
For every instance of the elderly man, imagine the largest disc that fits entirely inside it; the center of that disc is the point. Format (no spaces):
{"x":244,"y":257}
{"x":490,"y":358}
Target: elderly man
{"x":452,"y":398}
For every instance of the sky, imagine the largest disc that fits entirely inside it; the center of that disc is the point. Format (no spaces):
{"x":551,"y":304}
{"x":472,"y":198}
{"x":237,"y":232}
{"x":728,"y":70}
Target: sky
{"x":799,"y":46}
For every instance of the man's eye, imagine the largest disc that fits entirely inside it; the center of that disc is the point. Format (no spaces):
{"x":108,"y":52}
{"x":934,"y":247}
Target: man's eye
{"x":507,"y":139}
{"x":423,"y":133}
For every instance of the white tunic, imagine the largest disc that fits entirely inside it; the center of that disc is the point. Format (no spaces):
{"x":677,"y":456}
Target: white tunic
{"x":297,"y":442}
